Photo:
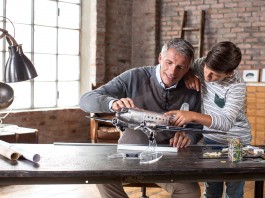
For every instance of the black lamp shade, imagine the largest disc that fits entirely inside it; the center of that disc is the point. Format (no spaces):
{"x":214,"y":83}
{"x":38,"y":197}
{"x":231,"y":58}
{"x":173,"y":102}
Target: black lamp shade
{"x":18,"y":66}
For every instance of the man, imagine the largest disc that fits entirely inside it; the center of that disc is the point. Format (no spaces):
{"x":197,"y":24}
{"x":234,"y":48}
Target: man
{"x":157,"y":88}
{"x":223,"y":93}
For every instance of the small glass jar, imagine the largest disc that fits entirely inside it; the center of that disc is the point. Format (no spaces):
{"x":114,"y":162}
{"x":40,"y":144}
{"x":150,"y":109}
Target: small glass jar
{"x":235,"y":150}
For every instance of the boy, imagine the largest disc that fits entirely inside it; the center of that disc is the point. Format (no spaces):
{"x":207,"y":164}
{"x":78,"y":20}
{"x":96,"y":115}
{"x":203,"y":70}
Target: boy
{"x":223,"y":98}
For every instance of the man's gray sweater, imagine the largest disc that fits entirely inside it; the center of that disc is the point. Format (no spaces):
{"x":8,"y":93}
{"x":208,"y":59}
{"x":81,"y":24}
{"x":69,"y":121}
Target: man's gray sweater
{"x":141,"y":85}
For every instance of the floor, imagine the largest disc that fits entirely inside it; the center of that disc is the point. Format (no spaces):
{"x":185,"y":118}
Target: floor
{"x":89,"y":191}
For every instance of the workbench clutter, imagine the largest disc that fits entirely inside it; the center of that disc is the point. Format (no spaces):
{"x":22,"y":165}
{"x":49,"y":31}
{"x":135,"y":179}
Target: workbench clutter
{"x":235,"y":152}
{"x":14,"y":152}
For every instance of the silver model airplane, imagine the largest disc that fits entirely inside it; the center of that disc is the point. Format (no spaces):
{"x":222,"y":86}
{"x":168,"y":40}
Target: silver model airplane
{"x":143,"y":119}
{"x":150,"y":123}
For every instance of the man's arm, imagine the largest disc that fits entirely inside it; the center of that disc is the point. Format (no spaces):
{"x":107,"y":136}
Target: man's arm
{"x":98,"y":100}
{"x":113,"y":96}
{"x":95,"y":101}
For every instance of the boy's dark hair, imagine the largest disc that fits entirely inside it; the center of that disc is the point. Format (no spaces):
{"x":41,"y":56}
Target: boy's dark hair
{"x":224,"y":57}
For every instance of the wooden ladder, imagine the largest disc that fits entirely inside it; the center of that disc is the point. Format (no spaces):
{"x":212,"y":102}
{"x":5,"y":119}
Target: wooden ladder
{"x":199,"y":29}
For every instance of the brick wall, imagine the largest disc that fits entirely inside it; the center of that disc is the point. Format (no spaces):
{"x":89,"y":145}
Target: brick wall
{"x":113,"y":39}
{"x":136,"y":30}
{"x":118,"y":37}
{"x":239,"y":21}
{"x":64,"y":125}
{"x":100,"y":65}
{"x":128,"y":38}
{"x":144,"y":34}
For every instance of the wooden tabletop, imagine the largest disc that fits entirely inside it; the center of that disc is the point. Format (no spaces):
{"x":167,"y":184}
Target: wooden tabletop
{"x":89,"y":163}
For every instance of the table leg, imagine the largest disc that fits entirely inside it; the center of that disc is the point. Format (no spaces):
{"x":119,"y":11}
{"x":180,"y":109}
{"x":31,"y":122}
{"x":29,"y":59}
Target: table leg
{"x":259,"y":189}
{"x":37,"y":137}
{"x":17,"y":138}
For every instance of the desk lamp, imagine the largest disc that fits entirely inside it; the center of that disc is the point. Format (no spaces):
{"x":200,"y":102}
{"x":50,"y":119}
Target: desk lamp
{"x":18,"y":68}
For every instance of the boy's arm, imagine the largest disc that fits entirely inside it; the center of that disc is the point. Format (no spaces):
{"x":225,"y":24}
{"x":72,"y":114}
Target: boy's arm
{"x":192,"y":82}
{"x":220,"y":121}
{"x":195,"y":75}
{"x":180,"y":118}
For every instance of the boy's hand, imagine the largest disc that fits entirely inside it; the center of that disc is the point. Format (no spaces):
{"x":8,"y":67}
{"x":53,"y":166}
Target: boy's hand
{"x":192,"y":82}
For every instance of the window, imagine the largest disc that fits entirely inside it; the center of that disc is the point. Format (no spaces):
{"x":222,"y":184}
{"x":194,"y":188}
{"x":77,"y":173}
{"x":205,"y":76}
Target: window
{"x":49,"y":31}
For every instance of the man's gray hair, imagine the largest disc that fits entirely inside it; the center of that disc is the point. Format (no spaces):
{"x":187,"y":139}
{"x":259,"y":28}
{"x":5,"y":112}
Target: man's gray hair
{"x":181,"y":46}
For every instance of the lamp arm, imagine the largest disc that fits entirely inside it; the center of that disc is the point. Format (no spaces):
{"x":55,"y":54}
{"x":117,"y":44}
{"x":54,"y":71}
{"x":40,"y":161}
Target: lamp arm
{"x":3,"y":33}
{"x":10,"y":39}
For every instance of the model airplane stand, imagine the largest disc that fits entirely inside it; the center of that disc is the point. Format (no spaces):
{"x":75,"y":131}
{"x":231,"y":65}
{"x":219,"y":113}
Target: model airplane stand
{"x":149,"y":155}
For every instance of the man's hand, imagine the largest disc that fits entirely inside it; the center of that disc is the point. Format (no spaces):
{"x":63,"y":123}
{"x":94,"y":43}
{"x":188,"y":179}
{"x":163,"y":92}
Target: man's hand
{"x":180,"y":140}
{"x":122,"y":103}
{"x":192,"y":82}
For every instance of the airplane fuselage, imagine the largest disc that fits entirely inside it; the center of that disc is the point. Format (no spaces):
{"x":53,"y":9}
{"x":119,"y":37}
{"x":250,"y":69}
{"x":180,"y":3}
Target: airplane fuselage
{"x":137,"y":116}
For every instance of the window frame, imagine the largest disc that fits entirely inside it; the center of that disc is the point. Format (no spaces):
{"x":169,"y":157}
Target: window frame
{"x":32,"y":54}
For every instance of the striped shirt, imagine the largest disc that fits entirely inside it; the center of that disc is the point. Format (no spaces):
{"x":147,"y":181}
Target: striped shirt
{"x":224,"y":101}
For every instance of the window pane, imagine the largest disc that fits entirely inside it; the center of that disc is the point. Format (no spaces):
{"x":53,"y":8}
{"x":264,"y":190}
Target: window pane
{"x":45,"y":94}
{"x":19,"y":11}
{"x":68,"y":42}
{"x":23,"y":35}
{"x":55,"y":41}
{"x":46,"y":67}
{"x":45,"y":40}
{"x":1,"y":8}
{"x":45,"y":12}
{"x":69,"y":15}
{"x":68,"y":67}
{"x":68,"y":94}
{"x":2,"y":40}
{"x":22,"y":93}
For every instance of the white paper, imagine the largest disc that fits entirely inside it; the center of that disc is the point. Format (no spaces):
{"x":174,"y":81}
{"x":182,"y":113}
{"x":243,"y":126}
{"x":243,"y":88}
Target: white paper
{"x":142,"y":148}
{"x":34,"y":157}
{"x":13,"y":152}
{"x":8,"y":152}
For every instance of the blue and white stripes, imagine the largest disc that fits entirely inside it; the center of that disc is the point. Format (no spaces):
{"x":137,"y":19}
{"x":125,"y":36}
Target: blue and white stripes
{"x":224,"y":101}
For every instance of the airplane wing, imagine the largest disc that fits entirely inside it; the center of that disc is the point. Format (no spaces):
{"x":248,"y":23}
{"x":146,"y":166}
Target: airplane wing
{"x":116,"y":122}
{"x":100,"y":119}
{"x":122,"y":125}
{"x":175,"y":128}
